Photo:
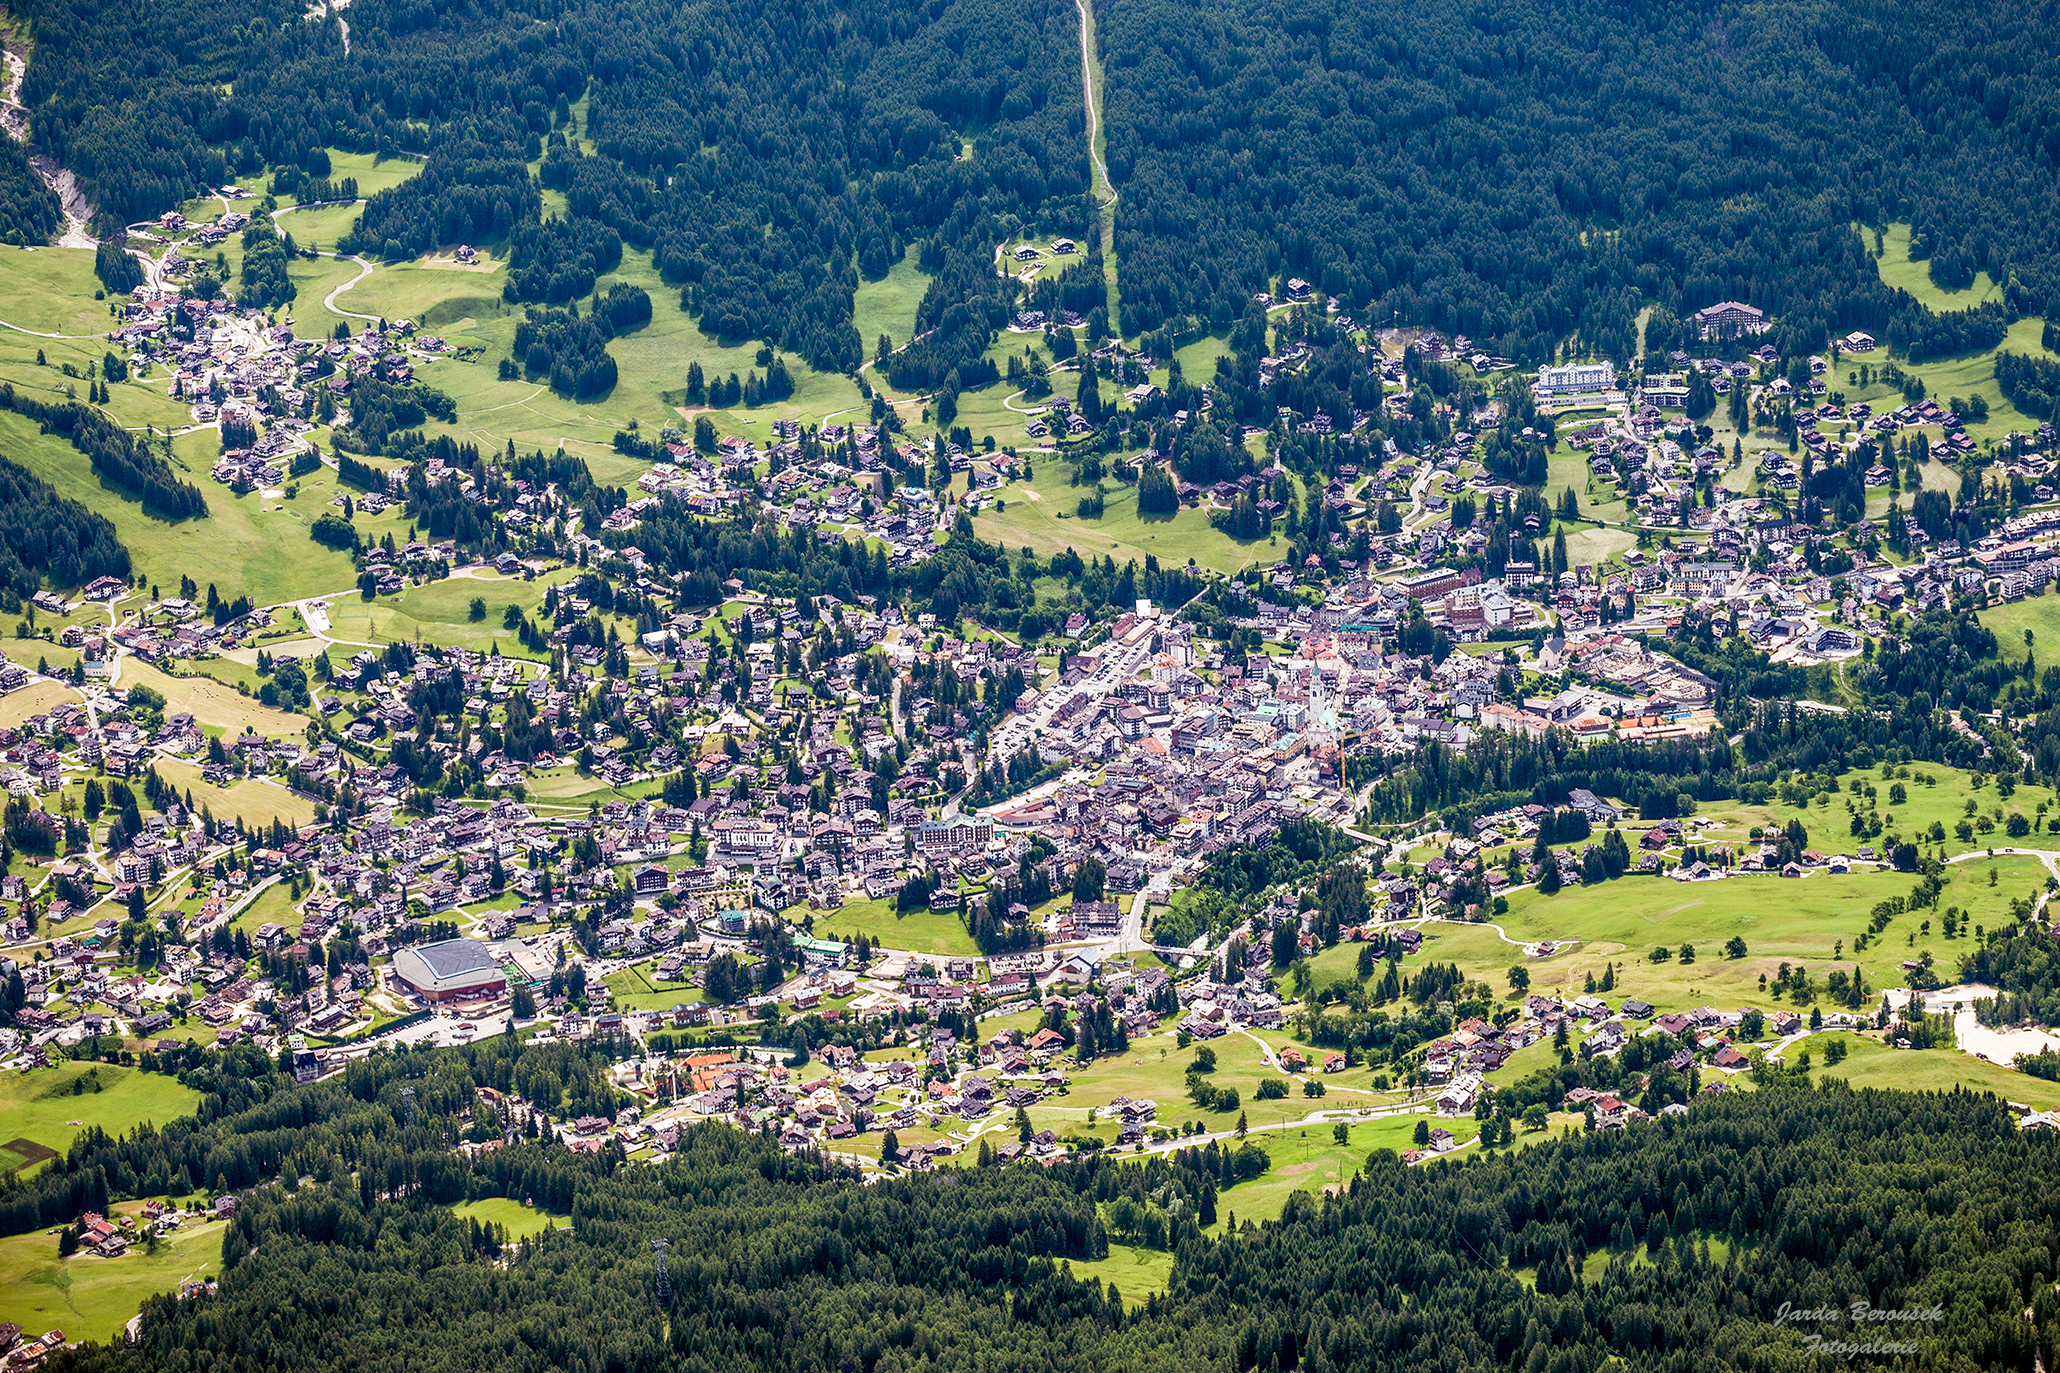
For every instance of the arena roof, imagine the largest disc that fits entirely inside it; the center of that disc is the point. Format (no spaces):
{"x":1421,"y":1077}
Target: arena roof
{"x":448,"y":965}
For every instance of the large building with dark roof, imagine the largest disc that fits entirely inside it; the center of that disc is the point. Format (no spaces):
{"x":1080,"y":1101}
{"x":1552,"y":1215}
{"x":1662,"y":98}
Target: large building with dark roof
{"x":450,"y":970}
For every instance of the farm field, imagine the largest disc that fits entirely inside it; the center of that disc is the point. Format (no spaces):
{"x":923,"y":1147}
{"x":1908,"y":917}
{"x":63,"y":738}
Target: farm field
{"x":39,"y":1106}
{"x":36,"y":699}
{"x":920,"y":931}
{"x":1595,"y":545}
{"x":89,"y":1297}
{"x":216,"y":706}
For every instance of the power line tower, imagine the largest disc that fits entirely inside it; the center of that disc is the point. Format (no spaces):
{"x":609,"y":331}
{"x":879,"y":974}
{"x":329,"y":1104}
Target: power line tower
{"x":664,"y":1285}
{"x":408,"y":1100}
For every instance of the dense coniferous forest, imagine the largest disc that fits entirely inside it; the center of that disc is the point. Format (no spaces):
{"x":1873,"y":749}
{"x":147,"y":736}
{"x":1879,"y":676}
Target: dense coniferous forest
{"x":130,"y":98}
{"x":1823,"y":1198}
{"x":381,"y":409}
{"x":42,"y":534}
{"x":29,"y":212}
{"x":766,"y":155}
{"x":1423,"y":163}
{"x":1524,"y":174}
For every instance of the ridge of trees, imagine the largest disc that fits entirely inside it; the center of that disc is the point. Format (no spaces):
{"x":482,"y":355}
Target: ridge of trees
{"x":120,"y":459}
{"x":1824,"y":1198}
{"x":43,"y":534}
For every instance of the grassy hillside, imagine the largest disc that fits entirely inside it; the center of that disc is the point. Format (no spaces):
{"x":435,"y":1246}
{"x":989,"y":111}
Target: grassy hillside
{"x":41,"y":1107}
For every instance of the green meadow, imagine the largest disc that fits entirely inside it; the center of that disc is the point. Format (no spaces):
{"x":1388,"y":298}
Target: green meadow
{"x":1134,"y":1271}
{"x":518,"y":1220}
{"x":1943,"y":378}
{"x":1042,"y":514}
{"x":2040,"y":615}
{"x":1871,"y":1063}
{"x":919,"y":931}
{"x":441,"y":612}
{"x":1810,"y":922}
{"x":88,"y":1297}
{"x":40,"y":1106}
{"x":888,"y":306}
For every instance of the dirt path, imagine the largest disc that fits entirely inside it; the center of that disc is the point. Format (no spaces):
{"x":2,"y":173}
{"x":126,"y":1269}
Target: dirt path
{"x":1088,"y":81}
{"x":1097,"y":141}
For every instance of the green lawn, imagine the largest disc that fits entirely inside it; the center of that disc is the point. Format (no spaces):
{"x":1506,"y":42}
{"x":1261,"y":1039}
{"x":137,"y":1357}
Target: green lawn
{"x":565,"y":787}
{"x":273,"y":904}
{"x":918,"y":931}
{"x":372,"y":173}
{"x":93,"y":1298}
{"x":632,"y":989}
{"x":518,"y":1220}
{"x":39,"y":1105}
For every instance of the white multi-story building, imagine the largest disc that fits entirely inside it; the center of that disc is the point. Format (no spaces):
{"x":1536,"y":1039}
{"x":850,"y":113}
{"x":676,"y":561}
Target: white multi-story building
{"x":1576,"y":379}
